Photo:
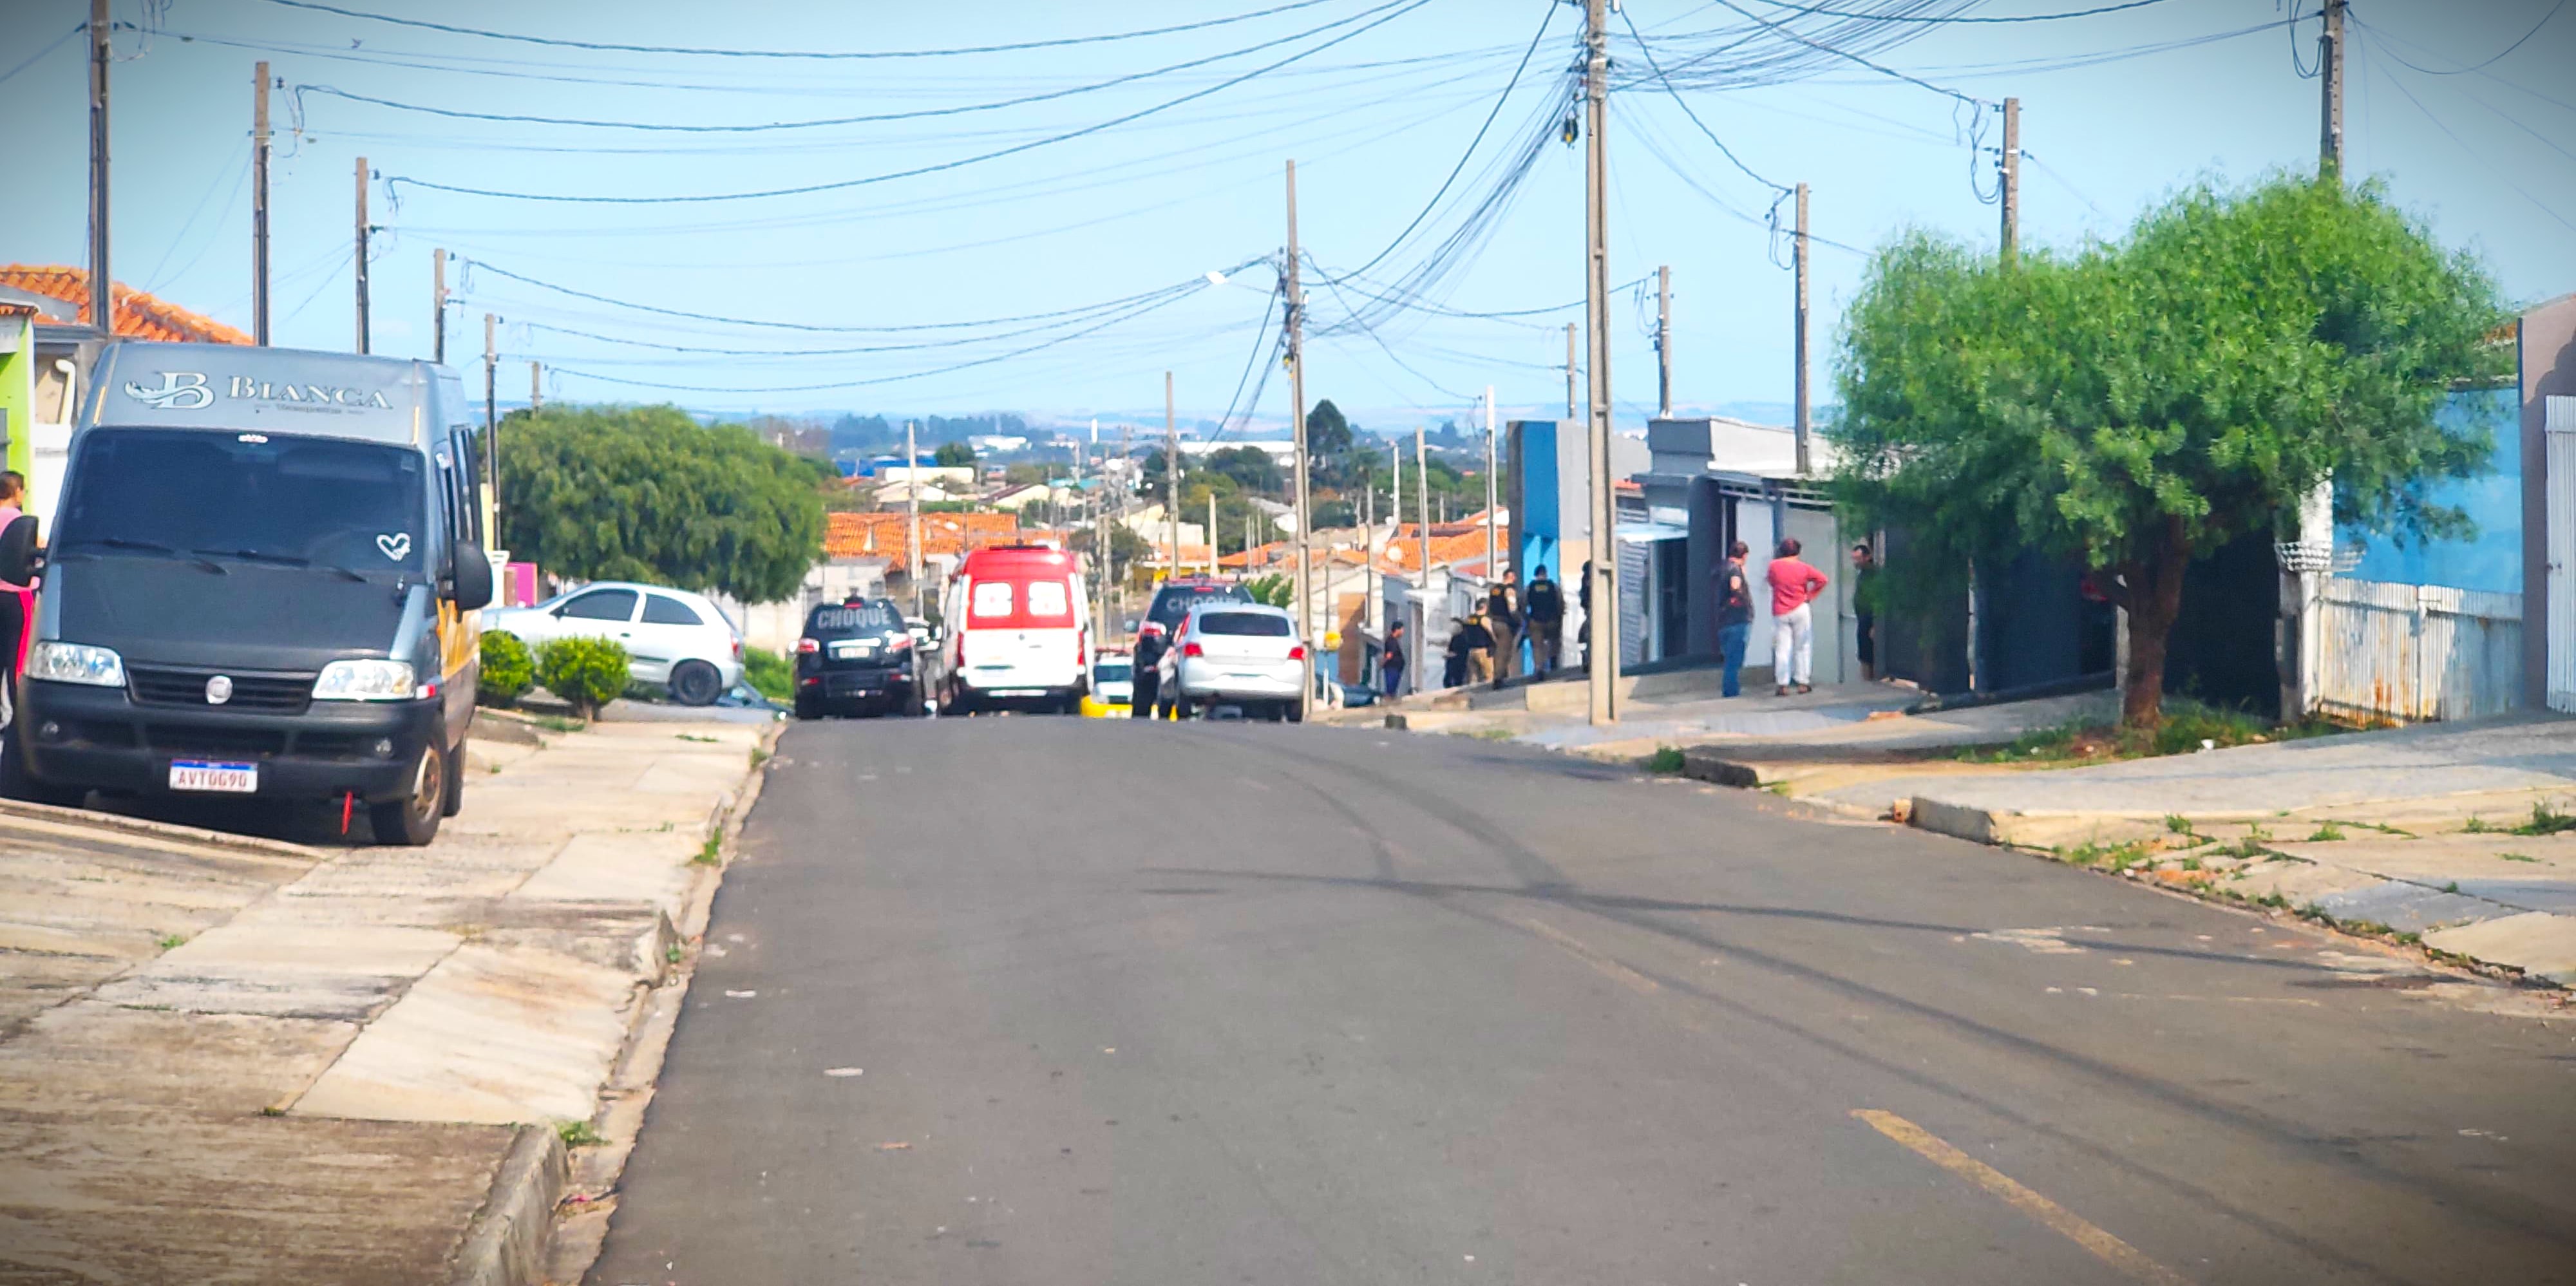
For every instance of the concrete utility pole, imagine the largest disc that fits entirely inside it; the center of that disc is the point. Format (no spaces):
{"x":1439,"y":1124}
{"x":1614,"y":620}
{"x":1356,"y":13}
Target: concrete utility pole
{"x":912,"y":508}
{"x":259,"y":207}
{"x":1799,"y":345}
{"x":360,"y":259}
{"x":1296,"y":332}
{"x":1572,"y":402}
{"x":1664,"y":341}
{"x":1422,"y":515}
{"x":1109,"y":557}
{"x":491,"y":417}
{"x":1395,"y":502}
{"x":536,"y":395}
{"x":438,"y":306}
{"x":2330,"y":70}
{"x":102,"y":308}
{"x":1493,"y":571}
{"x":1171,"y":480}
{"x":1212,"y":562}
{"x":1368,"y":570}
{"x":1601,"y":624}
{"x":2010,"y":172}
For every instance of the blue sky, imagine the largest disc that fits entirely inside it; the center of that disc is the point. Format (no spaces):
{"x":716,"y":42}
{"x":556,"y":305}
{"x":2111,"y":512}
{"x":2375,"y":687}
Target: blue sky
{"x":2487,"y":156}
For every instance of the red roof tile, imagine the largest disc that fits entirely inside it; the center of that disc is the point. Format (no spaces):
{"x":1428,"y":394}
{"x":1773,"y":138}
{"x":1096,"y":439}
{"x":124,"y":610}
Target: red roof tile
{"x":138,"y":315}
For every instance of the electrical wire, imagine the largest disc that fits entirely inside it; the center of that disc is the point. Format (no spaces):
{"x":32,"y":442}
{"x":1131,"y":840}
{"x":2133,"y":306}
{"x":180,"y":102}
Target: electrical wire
{"x":1684,"y":104}
{"x":1399,"y":7}
{"x":39,"y":55}
{"x":2463,"y":144}
{"x":558,"y":43}
{"x":239,"y":167}
{"x":2029,"y":17}
{"x":2457,"y":71}
{"x":1783,"y":30}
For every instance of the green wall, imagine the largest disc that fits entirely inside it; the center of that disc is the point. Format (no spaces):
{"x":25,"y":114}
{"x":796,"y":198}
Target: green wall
{"x":18,"y":386}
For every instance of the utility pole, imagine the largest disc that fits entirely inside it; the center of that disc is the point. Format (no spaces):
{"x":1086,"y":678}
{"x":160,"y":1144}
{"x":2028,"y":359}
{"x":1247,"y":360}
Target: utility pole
{"x":1296,"y":332}
{"x":102,"y":308}
{"x":1422,"y":514}
{"x":1664,"y":341}
{"x":1571,"y":401}
{"x":912,"y":508}
{"x":1492,"y":570}
{"x":1395,"y":503}
{"x":1368,"y":573}
{"x":491,"y":417}
{"x":259,"y":205}
{"x":1212,"y":562}
{"x":1110,"y":559}
{"x":535,"y":394}
{"x":2010,"y":172}
{"x":438,"y":303}
{"x":1601,"y":624}
{"x":1799,"y":345}
{"x":2329,"y":70}
{"x":1171,"y":480}
{"x":361,"y":257}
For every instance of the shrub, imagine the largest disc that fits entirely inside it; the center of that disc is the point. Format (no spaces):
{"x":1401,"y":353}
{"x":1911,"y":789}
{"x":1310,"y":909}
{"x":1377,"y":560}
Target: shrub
{"x":507,"y":670}
{"x":769,"y":674}
{"x":586,"y":673}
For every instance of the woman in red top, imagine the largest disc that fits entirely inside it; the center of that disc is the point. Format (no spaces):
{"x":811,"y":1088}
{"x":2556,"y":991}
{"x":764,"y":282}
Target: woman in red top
{"x":1794,"y":585}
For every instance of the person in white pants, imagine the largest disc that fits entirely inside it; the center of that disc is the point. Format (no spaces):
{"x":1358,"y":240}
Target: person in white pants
{"x":1794,"y":585}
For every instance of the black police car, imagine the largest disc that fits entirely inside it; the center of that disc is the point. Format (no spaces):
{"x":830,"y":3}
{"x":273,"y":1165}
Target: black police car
{"x":856,"y":658}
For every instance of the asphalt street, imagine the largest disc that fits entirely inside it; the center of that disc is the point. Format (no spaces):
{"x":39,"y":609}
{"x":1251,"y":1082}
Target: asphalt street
{"x":1063,"y":1001}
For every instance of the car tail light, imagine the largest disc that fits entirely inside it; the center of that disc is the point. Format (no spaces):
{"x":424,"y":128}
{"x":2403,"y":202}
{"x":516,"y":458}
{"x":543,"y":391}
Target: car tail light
{"x":737,"y":648}
{"x":808,"y":647}
{"x":1192,"y":649}
{"x":901,"y":643}
{"x":1149,"y":630}
{"x":1297,"y":652}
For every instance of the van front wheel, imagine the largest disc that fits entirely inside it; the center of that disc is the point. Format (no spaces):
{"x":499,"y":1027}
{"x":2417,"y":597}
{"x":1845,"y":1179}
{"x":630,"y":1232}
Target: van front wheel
{"x":413,"y":820}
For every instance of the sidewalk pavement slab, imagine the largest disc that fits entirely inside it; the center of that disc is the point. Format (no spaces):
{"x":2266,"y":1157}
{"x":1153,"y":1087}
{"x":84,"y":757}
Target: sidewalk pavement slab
{"x":241,"y":1060}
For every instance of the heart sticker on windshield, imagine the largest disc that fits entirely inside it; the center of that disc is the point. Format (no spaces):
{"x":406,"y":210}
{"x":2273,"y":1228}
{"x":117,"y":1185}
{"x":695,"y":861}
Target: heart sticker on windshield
{"x":397,"y":546}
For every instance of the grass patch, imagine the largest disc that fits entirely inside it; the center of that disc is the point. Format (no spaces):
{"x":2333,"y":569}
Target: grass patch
{"x":2177,"y":824}
{"x":558,"y":723}
{"x":2517,"y":857}
{"x":2452,"y":887}
{"x":2476,"y":826}
{"x":1666,"y":759}
{"x":579,"y":1134}
{"x":769,"y":674}
{"x":169,"y":940}
{"x":691,"y":736}
{"x":2111,"y":857}
{"x":2188,"y":726}
{"x":710,"y":853}
{"x":2326,"y":831}
{"x":2546,"y":821}
{"x":759,"y":756}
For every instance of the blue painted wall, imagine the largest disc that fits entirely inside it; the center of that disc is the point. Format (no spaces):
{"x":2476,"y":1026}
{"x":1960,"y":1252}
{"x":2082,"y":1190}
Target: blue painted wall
{"x":2491,"y":559}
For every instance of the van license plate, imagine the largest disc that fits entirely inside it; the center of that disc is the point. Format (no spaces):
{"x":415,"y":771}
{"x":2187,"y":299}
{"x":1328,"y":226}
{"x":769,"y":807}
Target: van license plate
{"x":223,"y":778}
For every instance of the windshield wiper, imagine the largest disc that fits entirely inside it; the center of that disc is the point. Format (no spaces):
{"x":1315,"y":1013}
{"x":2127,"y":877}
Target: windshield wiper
{"x":147,"y":547}
{"x":284,"y":560}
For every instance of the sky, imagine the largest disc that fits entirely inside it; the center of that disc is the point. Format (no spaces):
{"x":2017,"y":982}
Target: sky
{"x":1035,"y":233}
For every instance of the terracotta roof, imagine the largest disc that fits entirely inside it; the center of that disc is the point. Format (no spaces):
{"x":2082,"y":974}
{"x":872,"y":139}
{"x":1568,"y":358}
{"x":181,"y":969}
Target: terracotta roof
{"x":858,"y":535}
{"x":138,"y":315}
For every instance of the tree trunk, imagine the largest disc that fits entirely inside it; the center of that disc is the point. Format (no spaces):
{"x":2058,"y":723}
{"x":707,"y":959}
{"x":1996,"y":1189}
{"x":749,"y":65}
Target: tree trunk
{"x":2154,"y":602}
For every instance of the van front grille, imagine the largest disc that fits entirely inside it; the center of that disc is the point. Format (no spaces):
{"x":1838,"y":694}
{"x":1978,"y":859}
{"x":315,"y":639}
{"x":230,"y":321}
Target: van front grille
{"x":189,"y":739}
{"x":252,"y":693}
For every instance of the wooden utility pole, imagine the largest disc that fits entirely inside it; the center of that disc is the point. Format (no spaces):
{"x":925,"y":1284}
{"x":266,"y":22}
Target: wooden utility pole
{"x":1664,"y":341}
{"x":361,"y":257}
{"x":259,"y":204}
{"x":1296,"y":333}
{"x":1601,"y":624}
{"x":1799,"y":344}
{"x":1493,"y":569}
{"x":2010,"y":187}
{"x":438,"y":306}
{"x":2330,"y":49}
{"x":102,"y":307}
{"x":1573,"y":403}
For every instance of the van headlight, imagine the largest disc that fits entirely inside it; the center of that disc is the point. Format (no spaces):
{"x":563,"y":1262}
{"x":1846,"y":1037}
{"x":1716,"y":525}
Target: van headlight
{"x":366,"y":681}
{"x":76,"y":663}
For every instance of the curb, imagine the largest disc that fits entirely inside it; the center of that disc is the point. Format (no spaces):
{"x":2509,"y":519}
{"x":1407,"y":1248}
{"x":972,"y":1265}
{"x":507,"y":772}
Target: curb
{"x":160,"y":830}
{"x":506,"y":1244}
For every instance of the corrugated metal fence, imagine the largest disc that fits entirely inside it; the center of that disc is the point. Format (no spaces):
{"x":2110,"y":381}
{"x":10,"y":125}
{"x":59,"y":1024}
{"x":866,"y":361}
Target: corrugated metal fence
{"x":2415,"y":652}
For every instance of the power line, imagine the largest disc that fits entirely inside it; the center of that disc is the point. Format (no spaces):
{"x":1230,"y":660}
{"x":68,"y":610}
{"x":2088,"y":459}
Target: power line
{"x":1782,"y":30}
{"x":1400,"y":8}
{"x":2463,"y":145}
{"x":559,"y":43}
{"x":39,"y":55}
{"x":827,"y":122}
{"x":2030,"y":17}
{"x":2430,"y":71}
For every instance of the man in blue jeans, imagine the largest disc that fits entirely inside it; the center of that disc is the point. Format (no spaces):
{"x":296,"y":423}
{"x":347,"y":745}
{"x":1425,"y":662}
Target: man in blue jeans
{"x":1734,"y":616}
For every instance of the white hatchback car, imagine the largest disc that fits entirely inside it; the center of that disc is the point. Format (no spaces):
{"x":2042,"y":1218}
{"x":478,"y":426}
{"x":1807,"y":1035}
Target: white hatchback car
{"x":1234,"y":654}
{"x":675,"y":640}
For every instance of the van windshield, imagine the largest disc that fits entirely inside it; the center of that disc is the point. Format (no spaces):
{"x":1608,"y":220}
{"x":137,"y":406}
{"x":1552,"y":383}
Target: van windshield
{"x":251,"y":497}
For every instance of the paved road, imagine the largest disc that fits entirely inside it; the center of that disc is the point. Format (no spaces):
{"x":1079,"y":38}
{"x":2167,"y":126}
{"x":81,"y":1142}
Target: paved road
{"x":1355,"y":1007}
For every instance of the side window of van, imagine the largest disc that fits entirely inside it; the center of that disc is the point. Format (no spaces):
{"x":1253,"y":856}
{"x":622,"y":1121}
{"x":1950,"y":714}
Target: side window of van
{"x":1048,"y":598}
{"x":992,"y":598}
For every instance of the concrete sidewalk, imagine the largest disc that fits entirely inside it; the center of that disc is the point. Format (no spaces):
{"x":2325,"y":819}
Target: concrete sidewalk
{"x":230,"y":1059}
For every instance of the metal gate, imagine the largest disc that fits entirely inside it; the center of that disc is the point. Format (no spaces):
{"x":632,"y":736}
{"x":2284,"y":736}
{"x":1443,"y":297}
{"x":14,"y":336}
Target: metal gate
{"x":2559,"y":425}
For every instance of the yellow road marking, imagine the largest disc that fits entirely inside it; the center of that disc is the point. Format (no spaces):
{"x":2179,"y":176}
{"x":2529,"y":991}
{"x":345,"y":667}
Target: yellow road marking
{"x":2111,"y":1250}
{"x":1601,"y":964}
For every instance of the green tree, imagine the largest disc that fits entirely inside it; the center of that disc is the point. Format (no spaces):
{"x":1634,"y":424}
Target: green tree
{"x":1328,"y":435}
{"x":954,"y":455}
{"x":2139,"y":403}
{"x":647,"y":493}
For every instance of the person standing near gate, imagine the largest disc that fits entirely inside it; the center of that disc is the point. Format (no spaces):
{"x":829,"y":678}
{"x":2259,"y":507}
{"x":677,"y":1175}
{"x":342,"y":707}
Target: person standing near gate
{"x":1794,"y":586}
{"x":1734,"y":617}
{"x":1390,"y":662}
{"x":1545,"y":607}
{"x":1503,"y":618}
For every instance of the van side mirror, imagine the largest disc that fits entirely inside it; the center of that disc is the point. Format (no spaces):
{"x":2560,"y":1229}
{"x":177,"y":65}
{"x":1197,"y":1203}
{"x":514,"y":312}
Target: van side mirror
{"x":473,"y":587}
{"x":18,"y":557}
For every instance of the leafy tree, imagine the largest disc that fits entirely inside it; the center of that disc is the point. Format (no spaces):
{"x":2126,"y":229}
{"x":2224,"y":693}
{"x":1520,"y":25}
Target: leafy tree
{"x":2139,"y":403}
{"x":952,"y":455}
{"x":1252,"y":469}
{"x":1328,"y":435}
{"x":1275,"y":589}
{"x":646,"y":493}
